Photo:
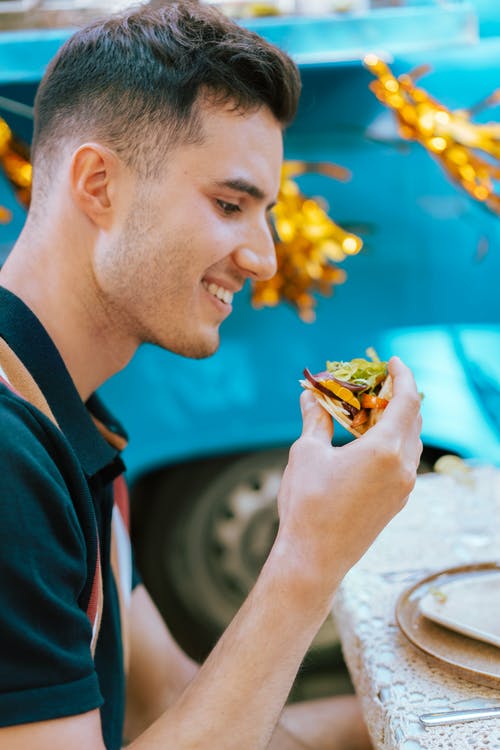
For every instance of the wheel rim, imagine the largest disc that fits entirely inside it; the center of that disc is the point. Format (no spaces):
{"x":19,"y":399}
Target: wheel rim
{"x":217,"y":549}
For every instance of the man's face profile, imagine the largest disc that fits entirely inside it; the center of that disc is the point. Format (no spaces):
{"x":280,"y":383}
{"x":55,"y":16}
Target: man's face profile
{"x":186,"y":241}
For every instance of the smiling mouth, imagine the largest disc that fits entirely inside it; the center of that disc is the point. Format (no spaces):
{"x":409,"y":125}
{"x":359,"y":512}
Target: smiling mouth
{"x":222,"y":294}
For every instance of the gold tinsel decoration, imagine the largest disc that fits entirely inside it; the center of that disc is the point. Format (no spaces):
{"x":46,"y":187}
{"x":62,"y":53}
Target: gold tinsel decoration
{"x":15,"y":162}
{"x":469,"y":152}
{"x":308,"y":245}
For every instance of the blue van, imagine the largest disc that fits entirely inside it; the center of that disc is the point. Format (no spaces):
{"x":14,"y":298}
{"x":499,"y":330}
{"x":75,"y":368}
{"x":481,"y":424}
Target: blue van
{"x":209,"y":438}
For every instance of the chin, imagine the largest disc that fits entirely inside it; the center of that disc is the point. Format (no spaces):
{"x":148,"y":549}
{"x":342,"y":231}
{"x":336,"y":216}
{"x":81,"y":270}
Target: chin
{"x":199,"y":352}
{"x":194,"y":348}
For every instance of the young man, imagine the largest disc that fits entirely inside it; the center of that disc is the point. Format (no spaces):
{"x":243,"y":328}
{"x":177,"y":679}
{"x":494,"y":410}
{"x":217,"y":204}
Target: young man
{"x":157,"y":154}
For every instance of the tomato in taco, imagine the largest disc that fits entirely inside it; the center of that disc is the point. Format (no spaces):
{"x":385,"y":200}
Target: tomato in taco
{"x":355,"y":393}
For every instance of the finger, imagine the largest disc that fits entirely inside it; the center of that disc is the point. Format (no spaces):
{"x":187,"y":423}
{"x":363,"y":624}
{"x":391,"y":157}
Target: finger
{"x":406,"y":408}
{"x":402,"y":415}
{"x":401,"y":375}
{"x":405,"y":399}
{"x":315,"y":420}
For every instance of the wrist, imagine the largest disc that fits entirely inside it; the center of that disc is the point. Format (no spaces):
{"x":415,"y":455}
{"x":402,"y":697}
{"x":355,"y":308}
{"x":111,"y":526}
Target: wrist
{"x":309,"y":583}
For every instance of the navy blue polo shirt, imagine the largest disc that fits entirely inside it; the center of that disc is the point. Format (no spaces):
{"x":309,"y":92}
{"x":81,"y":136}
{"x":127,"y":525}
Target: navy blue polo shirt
{"x":55,"y":499}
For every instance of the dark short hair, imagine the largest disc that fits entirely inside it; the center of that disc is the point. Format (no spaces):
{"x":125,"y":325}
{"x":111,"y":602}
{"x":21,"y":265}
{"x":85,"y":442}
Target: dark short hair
{"x":132,"y":80}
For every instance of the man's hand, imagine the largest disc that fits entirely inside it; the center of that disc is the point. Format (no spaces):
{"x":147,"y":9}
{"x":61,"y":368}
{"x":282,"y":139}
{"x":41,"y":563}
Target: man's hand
{"x":334,"y":501}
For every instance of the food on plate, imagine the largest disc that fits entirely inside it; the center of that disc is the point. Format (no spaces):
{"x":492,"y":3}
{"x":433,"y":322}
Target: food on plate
{"x":355,"y":393}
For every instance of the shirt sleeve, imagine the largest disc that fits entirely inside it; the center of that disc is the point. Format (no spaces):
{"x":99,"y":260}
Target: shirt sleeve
{"x":47,"y":670}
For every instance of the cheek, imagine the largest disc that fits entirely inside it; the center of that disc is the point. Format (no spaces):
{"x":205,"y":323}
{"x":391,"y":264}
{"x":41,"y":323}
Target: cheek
{"x":220,"y":239}
{"x":166,"y":255}
{"x":205,"y":243}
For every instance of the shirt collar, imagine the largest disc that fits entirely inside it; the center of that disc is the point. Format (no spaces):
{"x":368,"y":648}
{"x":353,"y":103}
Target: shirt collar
{"x":26,"y":336}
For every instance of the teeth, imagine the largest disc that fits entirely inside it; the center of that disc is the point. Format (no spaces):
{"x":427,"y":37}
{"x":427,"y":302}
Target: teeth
{"x":218,"y":291}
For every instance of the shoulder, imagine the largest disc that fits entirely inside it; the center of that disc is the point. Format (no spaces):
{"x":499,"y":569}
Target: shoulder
{"x":19,"y":417}
{"x":36,"y":486}
{"x":29,"y":440}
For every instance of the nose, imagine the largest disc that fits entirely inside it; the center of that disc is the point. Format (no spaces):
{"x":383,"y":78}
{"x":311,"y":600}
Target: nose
{"x":257,"y":259}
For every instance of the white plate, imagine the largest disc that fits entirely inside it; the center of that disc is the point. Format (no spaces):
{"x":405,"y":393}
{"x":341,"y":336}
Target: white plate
{"x":464,"y":657}
{"x":469,"y":605}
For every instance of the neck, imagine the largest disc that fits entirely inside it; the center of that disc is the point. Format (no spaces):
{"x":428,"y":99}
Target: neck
{"x":58,"y":285}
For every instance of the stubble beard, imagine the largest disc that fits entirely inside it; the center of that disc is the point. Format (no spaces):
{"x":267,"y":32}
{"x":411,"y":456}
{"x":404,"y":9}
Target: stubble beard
{"x":160,"y":289}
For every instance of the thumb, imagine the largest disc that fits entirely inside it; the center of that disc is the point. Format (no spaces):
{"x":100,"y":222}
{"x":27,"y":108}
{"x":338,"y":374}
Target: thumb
{"x":315,"y":420}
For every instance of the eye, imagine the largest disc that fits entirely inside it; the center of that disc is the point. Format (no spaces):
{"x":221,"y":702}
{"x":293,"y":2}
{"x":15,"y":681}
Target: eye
{"x":228,"y":208}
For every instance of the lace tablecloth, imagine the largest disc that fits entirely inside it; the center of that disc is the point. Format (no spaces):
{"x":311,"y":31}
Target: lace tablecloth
{"x":442,"y":526}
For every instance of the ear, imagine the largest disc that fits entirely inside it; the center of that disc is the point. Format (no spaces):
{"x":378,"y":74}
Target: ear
{"x":93,"y":174}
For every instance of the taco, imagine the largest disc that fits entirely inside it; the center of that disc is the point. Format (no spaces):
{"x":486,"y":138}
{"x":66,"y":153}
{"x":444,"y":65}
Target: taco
{"x":355,"y":393}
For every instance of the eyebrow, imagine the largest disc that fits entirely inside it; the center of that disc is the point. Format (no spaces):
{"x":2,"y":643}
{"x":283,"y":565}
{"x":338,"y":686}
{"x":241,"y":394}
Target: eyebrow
{"x":243,"y":186}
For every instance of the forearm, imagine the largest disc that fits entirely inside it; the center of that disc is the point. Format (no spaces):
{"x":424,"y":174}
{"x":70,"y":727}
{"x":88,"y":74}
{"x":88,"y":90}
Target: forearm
{"x":141,"y":714}
{"x":242,"y":687}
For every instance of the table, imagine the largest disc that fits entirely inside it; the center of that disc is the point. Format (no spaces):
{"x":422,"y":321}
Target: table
{"x":395,"y":681}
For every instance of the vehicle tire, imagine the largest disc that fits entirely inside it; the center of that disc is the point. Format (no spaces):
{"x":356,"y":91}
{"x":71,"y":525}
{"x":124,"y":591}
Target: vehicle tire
{"x":202,"y":532}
